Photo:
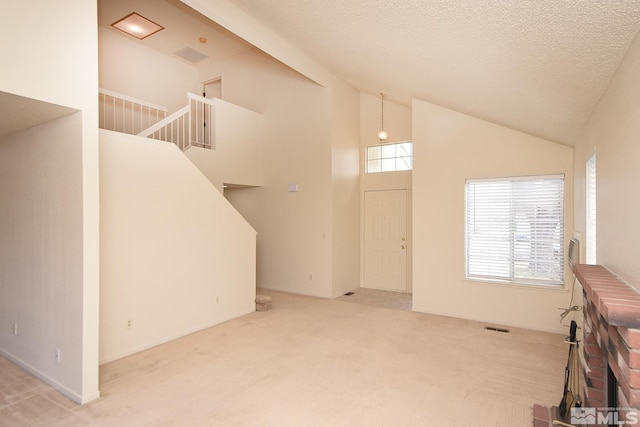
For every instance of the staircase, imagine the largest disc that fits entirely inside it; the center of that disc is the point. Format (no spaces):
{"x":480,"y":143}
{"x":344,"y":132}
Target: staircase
{"x":222,"y":139}
{"x":175,"y":255}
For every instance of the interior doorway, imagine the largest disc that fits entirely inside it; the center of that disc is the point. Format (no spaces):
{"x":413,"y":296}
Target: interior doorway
{"x":212,"y":88}
{"x":385,"y":240}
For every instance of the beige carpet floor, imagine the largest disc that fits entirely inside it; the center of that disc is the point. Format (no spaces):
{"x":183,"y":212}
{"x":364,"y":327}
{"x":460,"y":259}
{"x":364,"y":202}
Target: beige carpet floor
{"x":313,"y":362}
{"x":379,"y":298}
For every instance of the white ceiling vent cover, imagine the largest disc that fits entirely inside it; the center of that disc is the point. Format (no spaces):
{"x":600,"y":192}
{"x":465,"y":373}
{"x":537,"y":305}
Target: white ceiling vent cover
{"x":190,"y":54}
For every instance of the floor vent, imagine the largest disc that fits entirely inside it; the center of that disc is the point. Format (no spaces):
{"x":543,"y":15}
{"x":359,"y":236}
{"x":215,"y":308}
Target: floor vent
{"x":349,"y":293}
{"x":491,"y":328}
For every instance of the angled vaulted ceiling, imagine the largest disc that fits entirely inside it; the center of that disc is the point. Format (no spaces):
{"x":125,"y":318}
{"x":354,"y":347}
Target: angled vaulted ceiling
{"x":539,"y":67}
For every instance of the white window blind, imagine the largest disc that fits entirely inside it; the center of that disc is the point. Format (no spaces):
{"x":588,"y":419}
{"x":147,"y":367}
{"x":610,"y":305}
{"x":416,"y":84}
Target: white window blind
{"x":590,"y":255}
{"x":515,"y":229}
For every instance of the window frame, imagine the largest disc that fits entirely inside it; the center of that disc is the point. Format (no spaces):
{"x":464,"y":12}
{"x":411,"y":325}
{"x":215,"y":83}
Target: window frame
{"x":386,"y":159}
{"x":513,"y":240}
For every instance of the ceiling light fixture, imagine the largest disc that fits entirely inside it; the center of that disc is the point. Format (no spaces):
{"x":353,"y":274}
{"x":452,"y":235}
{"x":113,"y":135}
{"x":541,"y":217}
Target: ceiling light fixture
{"x":382,"y":135}
{"x":137,"y":26}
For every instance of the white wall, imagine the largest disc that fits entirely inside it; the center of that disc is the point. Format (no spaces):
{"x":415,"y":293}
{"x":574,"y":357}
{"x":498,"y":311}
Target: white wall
{"x":58,"y":64}
{"x":41,"y":250}
{"x":175,"y":255}
{"x":448,"y":148}
{"x":612,"y":134}
{"x":305,"y":143}
{"x":301,"y":235}
{"x":294,"y":228}
{"x":238,"y":155}
{"x":345,"y":173}
{"x":131,"y":68}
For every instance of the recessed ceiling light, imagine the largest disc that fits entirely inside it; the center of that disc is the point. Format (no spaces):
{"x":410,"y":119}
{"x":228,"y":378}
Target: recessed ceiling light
{"x":137,"y":26}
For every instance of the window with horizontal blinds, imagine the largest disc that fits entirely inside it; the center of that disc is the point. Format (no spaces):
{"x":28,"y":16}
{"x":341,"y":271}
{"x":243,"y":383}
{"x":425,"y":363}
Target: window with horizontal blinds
{"x":515,"y":229}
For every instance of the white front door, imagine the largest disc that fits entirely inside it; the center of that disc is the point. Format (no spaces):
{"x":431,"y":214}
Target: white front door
{"x":385,"y":240}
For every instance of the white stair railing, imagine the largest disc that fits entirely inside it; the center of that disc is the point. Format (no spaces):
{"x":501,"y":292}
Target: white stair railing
{"x":122,"y":113}
{"x":192,"y":125}
{"x":174,"y":128}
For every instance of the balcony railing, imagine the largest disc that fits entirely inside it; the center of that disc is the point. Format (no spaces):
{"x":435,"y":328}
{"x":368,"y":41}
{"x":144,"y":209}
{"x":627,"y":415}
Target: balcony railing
{"x":122,"y":113}
{"x":192,"y":125}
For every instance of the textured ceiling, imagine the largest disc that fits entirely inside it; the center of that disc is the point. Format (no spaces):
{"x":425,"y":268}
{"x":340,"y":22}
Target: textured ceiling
{"x":536,"y":66}
{"x":183,"y":28}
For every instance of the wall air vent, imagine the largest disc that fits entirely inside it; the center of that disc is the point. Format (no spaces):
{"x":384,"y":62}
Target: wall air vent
{"x":190,"y":54}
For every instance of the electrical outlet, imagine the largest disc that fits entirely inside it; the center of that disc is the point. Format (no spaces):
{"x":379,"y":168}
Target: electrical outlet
{"x":129,"y":324}
{"x":217,"y":300}
{"x":58,"y":356}
{"x":310,"y":277}
{"x":15,"y":329}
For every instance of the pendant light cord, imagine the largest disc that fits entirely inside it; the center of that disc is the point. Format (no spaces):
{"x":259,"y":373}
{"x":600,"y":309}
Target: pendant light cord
{"x":382,"y":136}
{"x":382,"y":97}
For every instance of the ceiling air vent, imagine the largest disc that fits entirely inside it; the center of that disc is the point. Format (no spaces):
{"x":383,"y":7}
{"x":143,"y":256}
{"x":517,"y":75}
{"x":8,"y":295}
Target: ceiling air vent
{"x":494,"y":329}
{"x":190,"y":54}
